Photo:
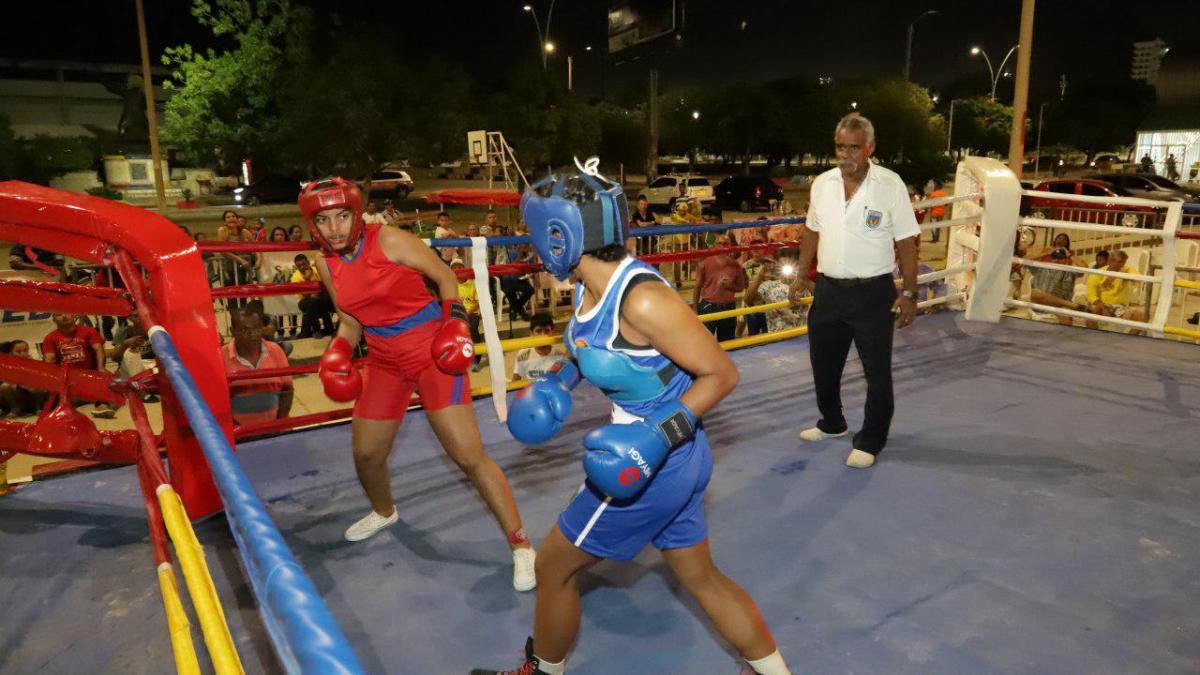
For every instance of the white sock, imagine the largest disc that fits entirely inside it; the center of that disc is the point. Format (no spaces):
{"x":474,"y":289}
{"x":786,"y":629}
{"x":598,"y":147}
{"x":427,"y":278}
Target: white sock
{"x":771,"y":664}
{"x":552,"y":668}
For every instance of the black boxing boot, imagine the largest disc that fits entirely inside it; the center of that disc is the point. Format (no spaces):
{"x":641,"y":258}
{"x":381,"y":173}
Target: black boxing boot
{"x":532,"y":665}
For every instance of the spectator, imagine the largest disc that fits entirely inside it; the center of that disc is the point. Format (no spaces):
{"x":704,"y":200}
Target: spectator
{"x":317,"y":309}
{"x":445,"y":230}
{"x":680,"y":215}
{"x":372,"y":216}
{"x":518,"y":289}
{"x":258,"y":231}
{"x":711,"y":216}
{"x":15,"y":400}
{"x":468,"y":253}
{"x":770,"y":285}
{"x":75,"y":346}
{"x":534,"y":362}
{"x":1110,"y":296}
{"x":784,"y":232}
{"x":229,"y":226}
{"x":131,"y":349}
{"x":641,"y":217}
{"x":1056,"y":287}
{"x":1101,"y":260}
{"x":1147,"y":164}
{"x":1171,"y":167}
{"x":752,"y":264}
{"x":718,"y":280}
{"x":295,"y":233}
{"x":30,"y":259}
{"x":278,"y":235}
{"x":241,"y":222}
{"x":937,"y":213}
{"x":925,"y":291}
{"x":389,"y":214}
{"x":470,"y":300}
{"x":259,"y":399}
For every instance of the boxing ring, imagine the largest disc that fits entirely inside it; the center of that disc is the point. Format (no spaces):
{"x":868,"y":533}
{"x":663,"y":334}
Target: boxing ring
{"x":1035,"y":510}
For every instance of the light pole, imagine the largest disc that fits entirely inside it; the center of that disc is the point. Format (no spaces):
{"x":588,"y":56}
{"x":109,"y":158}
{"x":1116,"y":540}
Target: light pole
{"x":912,"y":29}
{"x":991,"y":70}
{"x":545,"y":46}
{"x":950,"y":127}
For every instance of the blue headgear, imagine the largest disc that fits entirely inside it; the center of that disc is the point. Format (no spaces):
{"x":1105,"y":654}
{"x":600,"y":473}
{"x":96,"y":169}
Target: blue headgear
{"x":572,"y":214}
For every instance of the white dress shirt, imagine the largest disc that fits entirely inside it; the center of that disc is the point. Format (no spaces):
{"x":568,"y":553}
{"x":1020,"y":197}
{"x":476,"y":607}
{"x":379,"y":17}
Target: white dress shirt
{"x":857,"y":236}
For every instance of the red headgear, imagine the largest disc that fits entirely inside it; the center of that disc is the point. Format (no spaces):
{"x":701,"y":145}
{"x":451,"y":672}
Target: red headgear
{"x":332,"y":193}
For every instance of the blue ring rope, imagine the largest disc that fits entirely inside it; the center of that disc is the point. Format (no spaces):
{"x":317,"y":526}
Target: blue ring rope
{"x":306,"y":637}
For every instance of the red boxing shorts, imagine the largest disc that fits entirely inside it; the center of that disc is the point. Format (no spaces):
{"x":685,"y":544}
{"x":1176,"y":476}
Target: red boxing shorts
{"x":397,"y":366}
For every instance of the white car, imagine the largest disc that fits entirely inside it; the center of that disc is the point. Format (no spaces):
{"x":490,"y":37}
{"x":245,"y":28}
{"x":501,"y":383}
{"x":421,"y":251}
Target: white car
{"x":391,"y":181}
{"x":665,"y":190}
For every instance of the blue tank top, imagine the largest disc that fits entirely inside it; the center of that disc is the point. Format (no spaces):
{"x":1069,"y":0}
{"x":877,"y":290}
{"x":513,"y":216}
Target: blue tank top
{"x":637,"y":380}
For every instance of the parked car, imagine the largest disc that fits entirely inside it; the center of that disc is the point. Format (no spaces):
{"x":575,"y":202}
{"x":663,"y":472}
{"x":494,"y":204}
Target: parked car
{"x":665,"y":189}
{"x":1144,"y":185}
{"x":269,"y":189}
{"x":392,"y":182}
{"x":747,"y":193}
{"x":1107,"y":162}
{"x":1076,"y":211}
{"x":1168,"y":185}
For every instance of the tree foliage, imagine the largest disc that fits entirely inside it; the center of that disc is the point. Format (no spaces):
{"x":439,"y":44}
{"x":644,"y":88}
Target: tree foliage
{"x":224,"y":105}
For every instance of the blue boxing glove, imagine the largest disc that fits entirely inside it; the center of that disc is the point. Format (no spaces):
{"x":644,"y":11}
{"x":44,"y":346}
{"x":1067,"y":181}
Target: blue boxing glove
{"x":622,"y":458}
{"x":539,"y":410}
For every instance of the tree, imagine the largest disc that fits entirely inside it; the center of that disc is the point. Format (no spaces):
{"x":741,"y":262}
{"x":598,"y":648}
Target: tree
{"x":622,"y":135}
{"x":982,"y":125}
{"x":44,"y":157}
{"x":545,"y":124}
{"x":224,"y":106}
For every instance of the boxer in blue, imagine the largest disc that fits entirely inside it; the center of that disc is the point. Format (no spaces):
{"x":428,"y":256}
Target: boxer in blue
{"x":634,"y":338}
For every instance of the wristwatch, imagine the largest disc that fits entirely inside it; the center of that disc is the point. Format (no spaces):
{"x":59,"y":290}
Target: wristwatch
{"x":911,"y":295}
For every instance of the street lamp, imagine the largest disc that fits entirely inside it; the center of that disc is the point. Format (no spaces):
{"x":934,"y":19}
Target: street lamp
{"x":992,"y":71}
{"x":695,"y":114}
{"x":911,"y":29}
{"x":854,"y":105}
{"x":544,"y":43}
{"x":934,"y":98}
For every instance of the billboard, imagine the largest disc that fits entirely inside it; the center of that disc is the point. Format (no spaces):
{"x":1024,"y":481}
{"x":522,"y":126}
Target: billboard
{"x":634,"y":22}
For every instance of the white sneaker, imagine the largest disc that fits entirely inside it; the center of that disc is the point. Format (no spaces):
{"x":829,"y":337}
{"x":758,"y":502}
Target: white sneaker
{"x":371,"y":524}
{"x":859,"y":459}
{"x":815,"y":434}
{"x":524,"y":578}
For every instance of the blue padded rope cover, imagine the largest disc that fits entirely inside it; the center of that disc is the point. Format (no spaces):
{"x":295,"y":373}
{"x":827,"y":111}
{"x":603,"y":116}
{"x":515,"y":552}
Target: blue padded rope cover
{"x":304,"y":633}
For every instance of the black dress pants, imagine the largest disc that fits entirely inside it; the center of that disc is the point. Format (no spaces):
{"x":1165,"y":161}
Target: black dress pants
{"x":858,"y":311}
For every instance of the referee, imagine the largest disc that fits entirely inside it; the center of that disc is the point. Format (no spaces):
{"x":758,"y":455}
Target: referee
{"x":859,"y":218}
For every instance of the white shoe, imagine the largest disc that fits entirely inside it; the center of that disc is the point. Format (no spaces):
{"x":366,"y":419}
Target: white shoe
{"x":372,"y":523}
{"x":859,"y":459}
{"x":524,"y":578}
{"x":815,"y":434}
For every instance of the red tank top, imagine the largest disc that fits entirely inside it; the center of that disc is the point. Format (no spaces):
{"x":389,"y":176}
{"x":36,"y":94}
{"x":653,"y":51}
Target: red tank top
{"x":373,"y":289}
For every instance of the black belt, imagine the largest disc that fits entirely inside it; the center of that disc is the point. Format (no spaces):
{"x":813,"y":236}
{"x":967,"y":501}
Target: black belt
{"x":857,"y":281}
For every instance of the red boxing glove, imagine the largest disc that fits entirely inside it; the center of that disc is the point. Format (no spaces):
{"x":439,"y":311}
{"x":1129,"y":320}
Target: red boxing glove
{"x":452,"y":348}
{"x":341,"y":381}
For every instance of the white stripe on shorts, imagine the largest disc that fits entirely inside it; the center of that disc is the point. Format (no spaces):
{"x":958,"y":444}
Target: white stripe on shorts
{"x":592,"y":521}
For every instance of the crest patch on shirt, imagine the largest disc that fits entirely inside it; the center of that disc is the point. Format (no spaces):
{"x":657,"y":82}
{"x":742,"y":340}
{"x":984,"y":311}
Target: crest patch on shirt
{"x":874,"y":218}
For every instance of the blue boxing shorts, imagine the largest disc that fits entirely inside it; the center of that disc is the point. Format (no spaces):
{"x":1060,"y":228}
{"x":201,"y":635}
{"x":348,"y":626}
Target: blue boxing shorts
{"x":669,"y":513}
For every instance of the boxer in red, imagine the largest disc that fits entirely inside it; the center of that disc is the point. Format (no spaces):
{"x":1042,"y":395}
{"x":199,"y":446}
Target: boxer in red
{"x":416,"y":343}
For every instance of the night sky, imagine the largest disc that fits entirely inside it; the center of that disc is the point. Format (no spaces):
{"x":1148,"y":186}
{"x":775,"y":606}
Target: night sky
{"x":754,"y":40}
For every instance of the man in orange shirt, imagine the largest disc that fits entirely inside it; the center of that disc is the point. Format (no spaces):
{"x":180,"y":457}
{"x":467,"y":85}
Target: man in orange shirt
{"x":262,"y":399}
{"x":937,"y":213}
